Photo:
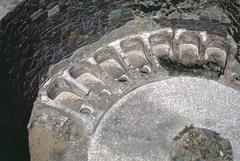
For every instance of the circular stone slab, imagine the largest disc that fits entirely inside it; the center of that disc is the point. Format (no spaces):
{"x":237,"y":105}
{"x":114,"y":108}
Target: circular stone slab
{"x":142,"y":125}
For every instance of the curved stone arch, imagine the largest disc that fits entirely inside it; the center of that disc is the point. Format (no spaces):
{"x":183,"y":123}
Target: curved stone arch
{"x":161,"y":43}
{"x":109,"y":55}
{"x":189,"y":46}
{"x":135,"y":51}
{"x":77,"y":69}
{"x":216,"y":48}
{"x":56,"y":87}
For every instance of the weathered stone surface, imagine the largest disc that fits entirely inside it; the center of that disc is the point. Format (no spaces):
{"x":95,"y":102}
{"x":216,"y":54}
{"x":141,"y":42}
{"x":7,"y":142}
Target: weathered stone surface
{"x":28,"y":48}
{"x":142,"y":125}
{"x":131,"y":49}
{"x":216,"y":55}
{"x":52,"y":145}
{"x":188,"y":54}
{"x":194,"y":144}
{"x":53,"y":11}
{"x":7,"y":6}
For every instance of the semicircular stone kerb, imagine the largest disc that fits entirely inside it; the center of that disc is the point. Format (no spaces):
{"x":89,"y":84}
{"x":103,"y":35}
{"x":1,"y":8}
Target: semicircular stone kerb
{"x":216,"y":51}
{"x":135,"y":51}
{"x":161,"y":43}
{"x":188,"y":46}
{"x":110,"y":61}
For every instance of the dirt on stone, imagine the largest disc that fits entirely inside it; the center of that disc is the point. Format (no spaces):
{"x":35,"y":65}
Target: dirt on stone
{"x":197,"y":144}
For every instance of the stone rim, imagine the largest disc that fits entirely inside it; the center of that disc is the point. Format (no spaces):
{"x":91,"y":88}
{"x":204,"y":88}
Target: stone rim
{"x":105,"y":127}
{"x":98,"y":95}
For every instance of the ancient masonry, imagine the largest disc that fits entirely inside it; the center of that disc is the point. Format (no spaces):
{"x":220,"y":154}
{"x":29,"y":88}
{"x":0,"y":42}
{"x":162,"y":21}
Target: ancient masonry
{"x":116,"y":74}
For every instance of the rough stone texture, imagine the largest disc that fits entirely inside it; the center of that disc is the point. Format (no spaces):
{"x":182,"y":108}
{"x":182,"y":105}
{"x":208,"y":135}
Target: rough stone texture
{"x":130,"y":48}
{"x":30,"y":42}
{"x":142,"y":125}
{"x":7,"y":6}
{"x":136,"y":115}
{"x":52,"y":144}
{"x":193,"y":144}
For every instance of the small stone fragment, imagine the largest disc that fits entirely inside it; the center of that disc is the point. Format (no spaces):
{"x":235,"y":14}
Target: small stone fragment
{"x":53,"y":11}
{"x":146,"y":69}
{"x":86,"y":108}
{"x":123,"y":78}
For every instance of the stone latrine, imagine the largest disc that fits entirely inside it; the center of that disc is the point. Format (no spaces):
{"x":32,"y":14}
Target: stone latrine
{"x":110,"y":79}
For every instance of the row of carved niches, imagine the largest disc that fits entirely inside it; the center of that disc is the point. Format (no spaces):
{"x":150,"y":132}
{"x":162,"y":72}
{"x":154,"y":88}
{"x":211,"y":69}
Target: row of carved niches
{"x":88,"y":84}
{"x":82,"y":87}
